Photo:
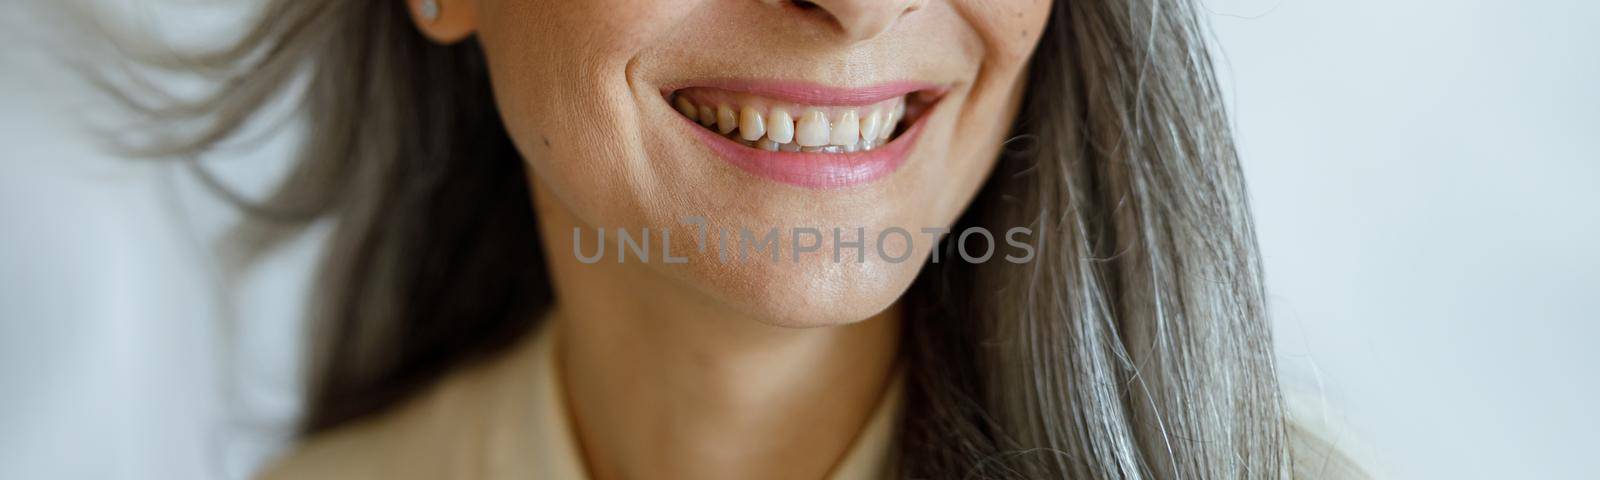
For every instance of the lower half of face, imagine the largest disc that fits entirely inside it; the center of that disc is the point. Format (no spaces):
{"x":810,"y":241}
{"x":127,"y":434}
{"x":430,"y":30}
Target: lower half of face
{"x":851,"y":131}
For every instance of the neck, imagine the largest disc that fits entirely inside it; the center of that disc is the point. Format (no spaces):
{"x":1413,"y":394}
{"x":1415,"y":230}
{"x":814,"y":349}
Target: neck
{"x":662,"y":383}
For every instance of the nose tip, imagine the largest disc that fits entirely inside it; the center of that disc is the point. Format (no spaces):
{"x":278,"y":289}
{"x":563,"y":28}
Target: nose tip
{"x":859,"y":19}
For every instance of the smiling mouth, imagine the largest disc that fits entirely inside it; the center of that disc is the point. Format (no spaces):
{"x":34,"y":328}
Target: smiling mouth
{"x":761,"y":122}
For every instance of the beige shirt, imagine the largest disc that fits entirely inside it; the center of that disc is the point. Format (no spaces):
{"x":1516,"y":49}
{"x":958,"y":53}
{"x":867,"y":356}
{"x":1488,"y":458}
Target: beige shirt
{"x":494,"y":421}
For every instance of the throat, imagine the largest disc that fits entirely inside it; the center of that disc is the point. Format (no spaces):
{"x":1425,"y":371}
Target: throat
{"x":696,"y":398}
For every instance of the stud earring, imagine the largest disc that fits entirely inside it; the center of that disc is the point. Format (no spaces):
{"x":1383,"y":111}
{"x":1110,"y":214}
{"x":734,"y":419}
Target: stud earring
{"x":429,"y":10}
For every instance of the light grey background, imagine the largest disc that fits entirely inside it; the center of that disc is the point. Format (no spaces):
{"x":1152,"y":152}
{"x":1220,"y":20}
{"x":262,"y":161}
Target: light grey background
{"x":1423,"y":175}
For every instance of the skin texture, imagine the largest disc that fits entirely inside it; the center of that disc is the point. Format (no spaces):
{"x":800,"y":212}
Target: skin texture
{"x":664,"y":361}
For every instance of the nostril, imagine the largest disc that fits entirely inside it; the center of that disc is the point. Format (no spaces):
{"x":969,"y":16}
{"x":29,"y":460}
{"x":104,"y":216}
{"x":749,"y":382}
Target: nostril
{"x":813,"y":9}
{"x":856,"y":19}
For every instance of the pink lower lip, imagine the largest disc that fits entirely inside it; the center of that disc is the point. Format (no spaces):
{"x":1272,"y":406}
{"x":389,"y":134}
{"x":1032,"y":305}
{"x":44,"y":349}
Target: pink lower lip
{"x":814,"y":170}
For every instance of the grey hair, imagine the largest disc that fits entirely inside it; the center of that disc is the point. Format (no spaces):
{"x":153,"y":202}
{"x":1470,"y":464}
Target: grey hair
{"x":1137,"y":346}
{"x":1141,"y":347}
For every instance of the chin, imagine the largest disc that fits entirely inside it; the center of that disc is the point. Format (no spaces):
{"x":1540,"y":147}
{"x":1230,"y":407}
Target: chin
{"x":806,"y":294}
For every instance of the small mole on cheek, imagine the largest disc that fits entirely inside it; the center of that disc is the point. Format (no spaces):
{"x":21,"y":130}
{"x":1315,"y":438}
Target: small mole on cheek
{"x":546,"y":140}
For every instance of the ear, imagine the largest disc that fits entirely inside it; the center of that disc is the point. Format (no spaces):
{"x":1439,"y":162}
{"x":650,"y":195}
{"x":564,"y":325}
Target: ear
{"x":451,"y":20}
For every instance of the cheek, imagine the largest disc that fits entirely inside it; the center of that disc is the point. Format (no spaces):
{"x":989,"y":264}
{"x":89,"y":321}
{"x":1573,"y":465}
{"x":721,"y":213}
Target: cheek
{"x":1009,"y":31}
{"x":1006,"y":35}
{"x":558,"y":73}
{"x":1010,"y":28}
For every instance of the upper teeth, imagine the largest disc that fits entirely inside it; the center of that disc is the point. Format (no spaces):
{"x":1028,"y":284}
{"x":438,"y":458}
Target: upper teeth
{"x":793,"y":128}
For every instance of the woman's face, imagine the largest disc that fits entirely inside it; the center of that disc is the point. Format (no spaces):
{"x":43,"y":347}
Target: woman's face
{"x":754,"y":115}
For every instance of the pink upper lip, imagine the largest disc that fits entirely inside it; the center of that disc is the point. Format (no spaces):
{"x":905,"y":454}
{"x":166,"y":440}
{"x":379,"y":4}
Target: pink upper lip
{"x":808,"y":93}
